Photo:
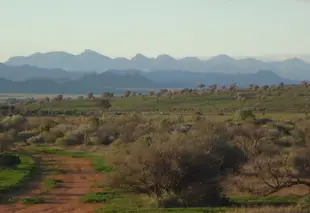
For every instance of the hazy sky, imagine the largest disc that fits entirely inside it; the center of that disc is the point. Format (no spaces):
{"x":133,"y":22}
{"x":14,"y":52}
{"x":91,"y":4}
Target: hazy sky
{"x":175,"y":27}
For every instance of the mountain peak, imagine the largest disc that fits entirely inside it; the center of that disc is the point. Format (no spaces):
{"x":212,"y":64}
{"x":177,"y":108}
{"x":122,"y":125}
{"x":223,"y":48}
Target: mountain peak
{"x":295,"y":60}
{"x":222,"y":57}
{"x":164,"y":57}
{"x":91,"y":54}
{"x":139,"y":56}
{"x":89,"y":51}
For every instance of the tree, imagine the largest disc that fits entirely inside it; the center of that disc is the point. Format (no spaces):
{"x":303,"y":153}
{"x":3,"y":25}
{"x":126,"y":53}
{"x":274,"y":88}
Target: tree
{"x":127,"y":93}
{"x":304,"y":84}
{"x":90,"y":95}
{"x":232,"y":87}
{"x":281,"y":85}
{"x":58,"y":97}
{"x":107,"y":95}
{"x":105,"y":103}
{"x":170,"y":94}
{"x":201,"y":86}
{"x":255,"y":87}
{"x":163,"y":91}
{"x":250,"y":86}
{"x":158,"y":97}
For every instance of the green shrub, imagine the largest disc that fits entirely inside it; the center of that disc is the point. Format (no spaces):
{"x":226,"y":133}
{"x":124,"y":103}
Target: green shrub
{"x":14,"y":177}
{"x":244,"y":114}
{"x":9,"y":160}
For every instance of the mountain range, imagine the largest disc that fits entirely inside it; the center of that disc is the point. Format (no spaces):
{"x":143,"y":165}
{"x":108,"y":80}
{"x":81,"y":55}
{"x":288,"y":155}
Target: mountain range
{"x":61,"y":72}
{"x":91,"y":61}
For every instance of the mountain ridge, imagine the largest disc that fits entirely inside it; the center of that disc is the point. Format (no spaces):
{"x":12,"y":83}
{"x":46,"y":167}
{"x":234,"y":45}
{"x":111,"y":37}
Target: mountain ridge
{"x":92,"y":61}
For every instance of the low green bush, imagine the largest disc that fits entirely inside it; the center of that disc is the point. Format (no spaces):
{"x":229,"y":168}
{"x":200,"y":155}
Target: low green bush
{"x":15,"y":177}
{"x":9,"y":160}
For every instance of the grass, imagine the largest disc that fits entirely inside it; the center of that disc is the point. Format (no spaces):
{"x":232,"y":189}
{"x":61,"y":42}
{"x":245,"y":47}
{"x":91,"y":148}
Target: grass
{"x":270,"y":200}
{"x":99,"y":197}
{"x":32,"y":200}
{"x":50,"y":183}
{"x":98,"y":185}
{"x":126,"y":202}
{"x":56,"y":171}
{"x":13,"y":178}
{"x":109,"y":209}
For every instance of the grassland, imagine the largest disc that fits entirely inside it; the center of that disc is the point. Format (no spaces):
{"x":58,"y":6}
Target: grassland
{"x":289,"y":100}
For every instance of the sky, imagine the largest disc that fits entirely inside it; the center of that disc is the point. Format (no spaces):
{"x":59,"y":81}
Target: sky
{"x":123,"y":28}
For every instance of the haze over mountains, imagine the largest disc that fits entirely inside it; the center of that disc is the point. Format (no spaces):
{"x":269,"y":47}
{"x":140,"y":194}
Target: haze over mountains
{"x":61,"y":72}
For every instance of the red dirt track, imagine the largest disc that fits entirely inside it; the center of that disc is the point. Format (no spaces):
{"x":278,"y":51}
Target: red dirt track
{"x":78,"y":179}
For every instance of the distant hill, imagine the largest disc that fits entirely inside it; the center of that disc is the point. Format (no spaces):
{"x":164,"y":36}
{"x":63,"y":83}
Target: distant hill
{"x":24,"y":72}
{"x":91,"y":61}
{"x":96,"y":83}
{"x":27,"y":79}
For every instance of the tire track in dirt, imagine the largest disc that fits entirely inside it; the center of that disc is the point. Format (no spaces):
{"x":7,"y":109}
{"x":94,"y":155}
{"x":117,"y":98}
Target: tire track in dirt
{"x":79,"y":177}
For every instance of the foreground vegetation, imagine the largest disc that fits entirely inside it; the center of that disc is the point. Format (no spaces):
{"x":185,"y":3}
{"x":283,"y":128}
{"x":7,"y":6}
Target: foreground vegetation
{"x":181,"y":157}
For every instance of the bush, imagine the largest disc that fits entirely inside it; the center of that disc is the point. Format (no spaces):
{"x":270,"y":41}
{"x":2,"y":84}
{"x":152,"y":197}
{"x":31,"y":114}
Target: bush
{"x":304,"y":203}
{"x":169,"y":164}
{"x":244,"y":114}
{"x":6,"y":140}
{"x":16,"y":122}
{"x":9,"y":160}
{"x":24,"y":136}
{"x":14,"y":177}
{"x":74,"y":137}
{"x":49,"y":137}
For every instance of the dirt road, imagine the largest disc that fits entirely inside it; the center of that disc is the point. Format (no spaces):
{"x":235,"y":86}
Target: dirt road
{"x":77,"y":176}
